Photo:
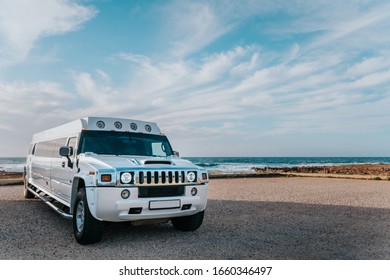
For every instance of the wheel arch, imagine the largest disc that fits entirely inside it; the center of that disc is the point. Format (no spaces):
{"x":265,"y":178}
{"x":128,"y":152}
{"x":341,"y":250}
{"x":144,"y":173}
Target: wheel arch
{"x":77,"y":184}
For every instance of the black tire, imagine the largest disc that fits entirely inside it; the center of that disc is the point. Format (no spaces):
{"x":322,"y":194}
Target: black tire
{"x":86,"y":228}
{"x":188,"y":223}
{"x":27,"y":194}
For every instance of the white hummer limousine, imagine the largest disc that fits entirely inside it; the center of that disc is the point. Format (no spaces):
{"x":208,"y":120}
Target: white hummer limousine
{"x":99,"y":169}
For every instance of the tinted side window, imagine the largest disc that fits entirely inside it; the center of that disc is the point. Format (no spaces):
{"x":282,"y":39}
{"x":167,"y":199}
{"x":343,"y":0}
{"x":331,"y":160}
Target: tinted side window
{"x":57,"y":145}
{"x":50,"y":148}
{"x":41,"y":149}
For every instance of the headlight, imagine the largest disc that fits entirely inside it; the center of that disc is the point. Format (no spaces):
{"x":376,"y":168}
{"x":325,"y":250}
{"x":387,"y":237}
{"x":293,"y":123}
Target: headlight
{"x":126,"y":178}
{"x":191,"y":176}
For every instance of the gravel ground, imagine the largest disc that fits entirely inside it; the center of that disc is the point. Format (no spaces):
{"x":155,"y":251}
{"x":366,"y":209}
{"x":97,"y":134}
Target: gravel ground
{"x":254,"y":218}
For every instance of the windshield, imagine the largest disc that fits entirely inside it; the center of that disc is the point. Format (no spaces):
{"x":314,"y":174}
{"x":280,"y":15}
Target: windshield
{"x":124,"y":143}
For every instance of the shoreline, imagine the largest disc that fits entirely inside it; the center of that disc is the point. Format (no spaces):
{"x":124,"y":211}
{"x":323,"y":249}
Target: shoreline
{"x":351,"y":171}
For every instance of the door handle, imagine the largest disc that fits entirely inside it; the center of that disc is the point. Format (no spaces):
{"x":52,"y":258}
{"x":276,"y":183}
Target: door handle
{"x":63,"y":165}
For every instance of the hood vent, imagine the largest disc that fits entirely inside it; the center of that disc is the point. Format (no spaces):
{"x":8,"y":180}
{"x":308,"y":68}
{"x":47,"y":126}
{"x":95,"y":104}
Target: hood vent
{"x":165,"y":162}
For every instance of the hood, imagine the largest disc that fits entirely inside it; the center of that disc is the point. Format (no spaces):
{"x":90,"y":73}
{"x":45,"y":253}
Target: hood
{"x":120,"y":162}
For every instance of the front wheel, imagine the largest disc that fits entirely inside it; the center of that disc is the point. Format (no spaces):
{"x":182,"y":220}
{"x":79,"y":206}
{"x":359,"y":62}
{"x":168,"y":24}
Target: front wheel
{"x":188,"y":223}
{"x":86,"y":228}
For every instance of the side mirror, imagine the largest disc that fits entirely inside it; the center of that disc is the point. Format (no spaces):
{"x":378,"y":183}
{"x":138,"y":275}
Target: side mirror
{"x":66,"y":151}
{"x":176,"y":153}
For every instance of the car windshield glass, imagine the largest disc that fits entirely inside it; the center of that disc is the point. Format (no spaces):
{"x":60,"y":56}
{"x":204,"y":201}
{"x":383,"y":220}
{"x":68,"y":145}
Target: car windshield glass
{"x":124,"y":143}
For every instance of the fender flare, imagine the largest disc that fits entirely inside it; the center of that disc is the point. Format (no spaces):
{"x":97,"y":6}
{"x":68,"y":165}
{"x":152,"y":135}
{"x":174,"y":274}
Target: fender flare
{"x":78,"y":183}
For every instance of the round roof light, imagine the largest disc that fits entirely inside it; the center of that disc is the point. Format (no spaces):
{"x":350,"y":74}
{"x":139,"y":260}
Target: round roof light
{"x":133,"y":126}
{"x":148,"y":128}
{"x":100,"y":124}
{"x":118,"y":125}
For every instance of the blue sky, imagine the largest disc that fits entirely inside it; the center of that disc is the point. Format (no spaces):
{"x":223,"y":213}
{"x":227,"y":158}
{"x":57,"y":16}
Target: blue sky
{"x":221,"y":78}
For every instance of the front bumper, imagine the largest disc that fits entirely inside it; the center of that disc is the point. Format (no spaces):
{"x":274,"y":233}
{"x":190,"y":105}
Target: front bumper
{"x":106,"y":204}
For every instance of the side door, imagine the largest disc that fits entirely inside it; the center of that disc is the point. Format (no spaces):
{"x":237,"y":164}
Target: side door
{"x":64,"y":170}
{"x":41,"y":166}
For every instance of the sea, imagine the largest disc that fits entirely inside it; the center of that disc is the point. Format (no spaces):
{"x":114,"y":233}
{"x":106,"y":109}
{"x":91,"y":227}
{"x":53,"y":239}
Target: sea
{"x":235,"y":165}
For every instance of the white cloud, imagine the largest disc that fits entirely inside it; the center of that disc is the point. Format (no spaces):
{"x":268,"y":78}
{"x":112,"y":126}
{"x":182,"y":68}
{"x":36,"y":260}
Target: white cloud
{"x":29,"y":100}
{"x":27,"y":108}
{"x":23,"y":22}
{"x":299,"y":95}
{"x":373,"y":80}
{"x":372,"y":18}
{"x":95,"y":95}
{"x":190,"y":26}
{"x":369,"y":65}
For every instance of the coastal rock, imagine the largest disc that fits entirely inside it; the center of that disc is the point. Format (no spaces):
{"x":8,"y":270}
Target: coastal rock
{"x":352,"y":169}
{"x":10,"y":178}
{"x":10,"y":175}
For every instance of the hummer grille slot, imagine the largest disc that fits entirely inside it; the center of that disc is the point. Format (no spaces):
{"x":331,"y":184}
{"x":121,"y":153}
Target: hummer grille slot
{"x":156,"y":177}
{"x":163,"y":177}
{"x":183,"y":177}
{"x":149,"y":177}
{"x":141,"y":177}
{"x":177,"y":177}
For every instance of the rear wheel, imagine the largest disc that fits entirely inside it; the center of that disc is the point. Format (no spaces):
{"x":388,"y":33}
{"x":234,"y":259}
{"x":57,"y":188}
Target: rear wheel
{"x":188,"y":223}
{"x":27,"y":194}
{"x":86,"y":228}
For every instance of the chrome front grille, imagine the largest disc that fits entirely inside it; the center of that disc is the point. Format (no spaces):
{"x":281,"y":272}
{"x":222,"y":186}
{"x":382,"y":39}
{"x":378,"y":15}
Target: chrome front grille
{"x":160,"y":178}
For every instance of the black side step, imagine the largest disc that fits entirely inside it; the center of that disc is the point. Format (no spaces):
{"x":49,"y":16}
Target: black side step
{"x":48,"y":202}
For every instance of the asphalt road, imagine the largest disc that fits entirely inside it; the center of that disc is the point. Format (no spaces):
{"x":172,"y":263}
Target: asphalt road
{"x":263,"y":218}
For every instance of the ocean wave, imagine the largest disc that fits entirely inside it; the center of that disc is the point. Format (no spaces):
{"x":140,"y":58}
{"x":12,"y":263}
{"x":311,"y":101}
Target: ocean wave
{"x":206,"y":165}
{"x":12,"y":167}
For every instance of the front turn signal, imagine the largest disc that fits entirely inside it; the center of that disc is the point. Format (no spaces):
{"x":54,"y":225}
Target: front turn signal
{"x":106,"y":178}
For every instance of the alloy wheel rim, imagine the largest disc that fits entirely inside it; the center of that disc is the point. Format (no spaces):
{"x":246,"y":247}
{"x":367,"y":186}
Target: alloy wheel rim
{"x":80,"y":216}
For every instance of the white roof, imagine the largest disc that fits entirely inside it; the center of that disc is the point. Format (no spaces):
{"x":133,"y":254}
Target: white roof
{"x":96,"y":123}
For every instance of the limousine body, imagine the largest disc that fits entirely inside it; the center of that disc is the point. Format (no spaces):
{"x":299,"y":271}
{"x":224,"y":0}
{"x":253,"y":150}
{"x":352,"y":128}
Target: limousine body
{"x":99,"y":169}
